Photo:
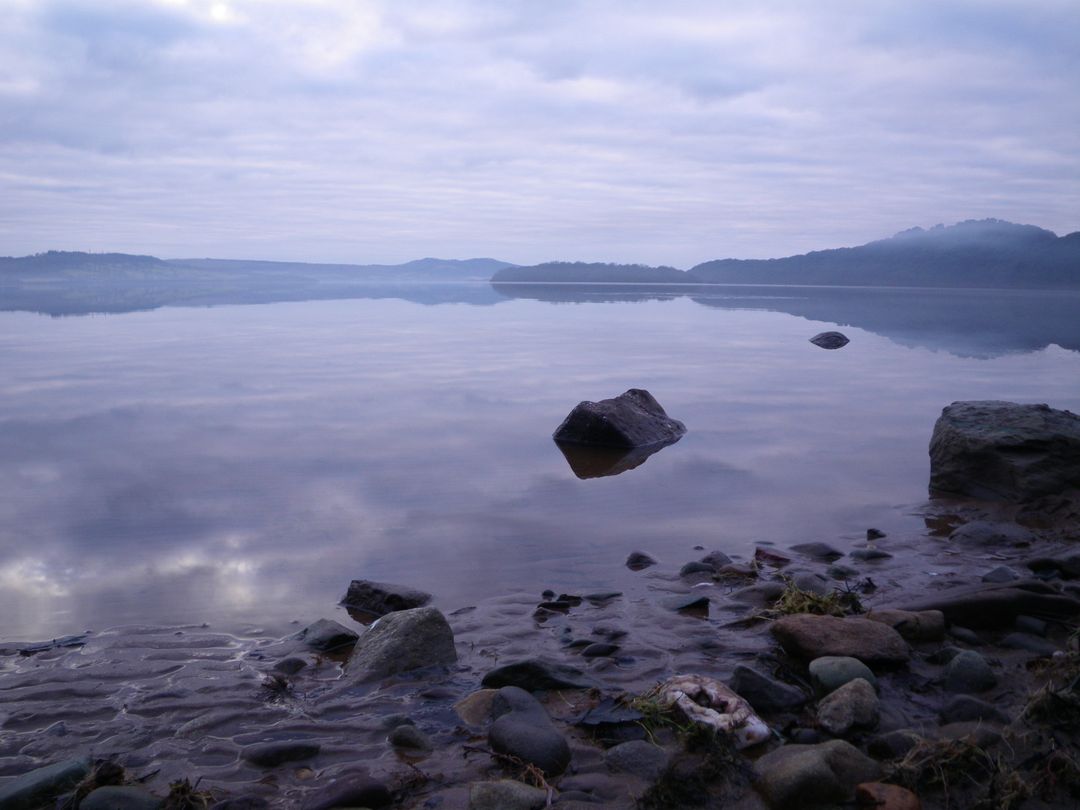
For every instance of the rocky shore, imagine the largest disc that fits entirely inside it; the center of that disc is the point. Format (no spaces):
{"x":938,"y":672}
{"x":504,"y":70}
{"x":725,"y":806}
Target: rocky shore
{"x":939,"y":669}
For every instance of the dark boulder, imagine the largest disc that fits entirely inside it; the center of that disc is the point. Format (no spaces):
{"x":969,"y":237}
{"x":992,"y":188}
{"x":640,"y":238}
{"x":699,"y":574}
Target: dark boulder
{"x":632,"y":419}
{"x":380,"y":598}
{"x":830,"y":340}
{"x":534,"y":673}
{"x":1003,"y":451}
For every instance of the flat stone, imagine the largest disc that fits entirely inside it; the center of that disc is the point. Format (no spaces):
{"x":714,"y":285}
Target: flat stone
{"x":380,"y":598}
{"x":855,"y":704}
{"x":41,"y":785}
{"x":1004,"y":451}
{"x":764,"y":693}
{"x":830,"y":340}
{"x":795,"y":776}
{"x":869,"y":555}
{"x":534,"y":673}
{"x":1001,"y":574}
{"x":923,"y":625}
{"x":985,"y":533}
{"x":968,"y":672}
{"x":830,"y":672}
{"x":506,"y":794}
{"x":821,"y":552}
{"x":809,"y":636}
{"x":402,"y":641}
{"x":326,"y":635}
{"x":272,"y":754}
{"x":1029,"y":643}
{"x":600,"y":649}
{"x":632,"y":419}
{"x":120,"y":797}
{"x":691,"y":602}
{"x":638,"y":757}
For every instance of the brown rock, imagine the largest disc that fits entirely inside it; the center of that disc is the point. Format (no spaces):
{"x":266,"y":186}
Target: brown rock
{"x":810,"y":636}
{"x":886,"y":797}
{"x":923,"y":625}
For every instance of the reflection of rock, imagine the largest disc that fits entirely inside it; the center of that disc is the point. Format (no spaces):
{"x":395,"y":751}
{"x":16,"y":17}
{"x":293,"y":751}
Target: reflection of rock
{"x":1003,"y":451}
{"x":830,"y":340}
{"x":589,"y":461}
{"x":632,"y":419}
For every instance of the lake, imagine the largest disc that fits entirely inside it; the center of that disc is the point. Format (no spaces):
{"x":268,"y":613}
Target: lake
{"x":238,"y":463}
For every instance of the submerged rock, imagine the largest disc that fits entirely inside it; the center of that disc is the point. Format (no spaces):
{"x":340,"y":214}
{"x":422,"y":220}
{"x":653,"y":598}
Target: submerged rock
{"x":1004,"y":451}
{"x":402,"y":641}
{"x":326,"y":635}
{"x":39,"y":786}
{"x":709,"y":703}
{"x":639,"y":560}
{"x":632,"y":419}
{"x":535,"y":673}
{"x":380,"y":598}
{"x":272,"y":754}
{"x":830,"y":340}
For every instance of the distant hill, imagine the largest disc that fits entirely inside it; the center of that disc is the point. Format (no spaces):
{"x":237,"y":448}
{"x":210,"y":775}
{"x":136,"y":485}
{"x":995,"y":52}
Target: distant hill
{"x":976,"y":253}
{"x":71,"y":266}
{"x":597,"y":272}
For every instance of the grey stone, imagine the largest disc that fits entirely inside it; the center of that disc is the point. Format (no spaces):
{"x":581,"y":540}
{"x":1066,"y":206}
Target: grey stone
{"x":855,"y":704}
{"x":639,"y":560}
{"x":380,"y":598}
{"x":987,"y":533}
{"x":923,"y":625}
{"x":716,"y":559}
{"x":830,"y":672}
{"x":120,"y":797}
{"x":809,"y":636}
{"x":290,"y":666}
{"x":600,"y":649}
{"x":811,"y":583}
{"x":963,"y":708}
{"x":1004,"y":451}
{"x":41,"y":785}
{"x":763,"y":594}
{"x":1001,"y":574}
{"x":810,"y":775}
{"x":407,"y":736}
{"x":692,"y":568}
{"x":830,"y":340}
{"x":838,"y":571}
{"x":632,"y":419}
{"x":272,"y":754}
{"x":403,"y":641}
{"x":869,"y":555}
{"x":535,"y":673}
{"x":349,"y":790}
{"x":764,"y":693}
{"x":822,"y":552}
{"x":893,"y":744}
{"x":968,"y":672}
{"x":523,"y":729}
{"x":687,"y":602}
{"x":325,"y":635}
{"x":506,"y":794}
{"x":638,"y":757}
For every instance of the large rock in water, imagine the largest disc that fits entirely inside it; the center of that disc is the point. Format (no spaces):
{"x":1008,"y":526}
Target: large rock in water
{"x":402,"y":641}
{"x":1003,"y":451}
{"x":380,"y":598}
{"x":633,"y":419}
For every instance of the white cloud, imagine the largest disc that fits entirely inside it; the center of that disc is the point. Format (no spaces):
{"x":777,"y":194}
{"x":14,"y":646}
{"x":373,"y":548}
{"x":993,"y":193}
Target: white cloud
{"x":371,"y":131}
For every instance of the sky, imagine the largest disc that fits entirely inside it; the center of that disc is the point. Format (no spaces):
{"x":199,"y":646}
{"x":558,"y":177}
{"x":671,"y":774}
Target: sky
{"x":609,"y":130}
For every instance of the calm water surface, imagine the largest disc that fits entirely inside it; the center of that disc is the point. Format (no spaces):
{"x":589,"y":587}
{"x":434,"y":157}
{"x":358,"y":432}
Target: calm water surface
{"x":241,"y":463}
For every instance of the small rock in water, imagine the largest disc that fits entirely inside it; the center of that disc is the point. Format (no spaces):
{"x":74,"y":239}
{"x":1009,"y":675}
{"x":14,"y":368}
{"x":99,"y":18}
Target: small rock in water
{"x":409,"y":736}
{"x":869,"y":554}
{"x":506,"y":794}
{"x":632,"y":419}
{"x":534,"y":674}
{"x":818,"y":551}
{"x":39,"y":786}
{"x":600,"y":649}
{"x":601,"y":598}
{"x":1001,"y":574}
{"x":688,"y":603}
{"x":769,"y":557}
{"x":272,"y":754}
{"x":830,"y":340}
{"x":326,"y":635}
{"x":838,"y":571}
{"x":523,"y":729}
{"x":290,"y":666}
{"x":639,"y":560}
{"x":353,"y":790}
{"x":696,"y":568}
{"x":874,"y":534}
{"x":120,"y":797}
{"x":716,"y":559}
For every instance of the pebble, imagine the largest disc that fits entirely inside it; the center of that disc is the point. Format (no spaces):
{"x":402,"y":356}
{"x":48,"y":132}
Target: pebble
{"x":969,"y":672}
{"x":829,"y":672}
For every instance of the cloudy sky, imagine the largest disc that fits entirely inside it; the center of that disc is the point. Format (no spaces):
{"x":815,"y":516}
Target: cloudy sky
{"x":676,"y":132}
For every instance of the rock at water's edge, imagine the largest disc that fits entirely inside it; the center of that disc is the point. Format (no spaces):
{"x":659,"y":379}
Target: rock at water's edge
{"x":37,"y":787}
{"x":808,"y":775}
{"x":632,"y":419}
{"x":1004,"y":451}
{"x":403,"y":641}
{"x":810,"y":636}
{"x":380,"y":598}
